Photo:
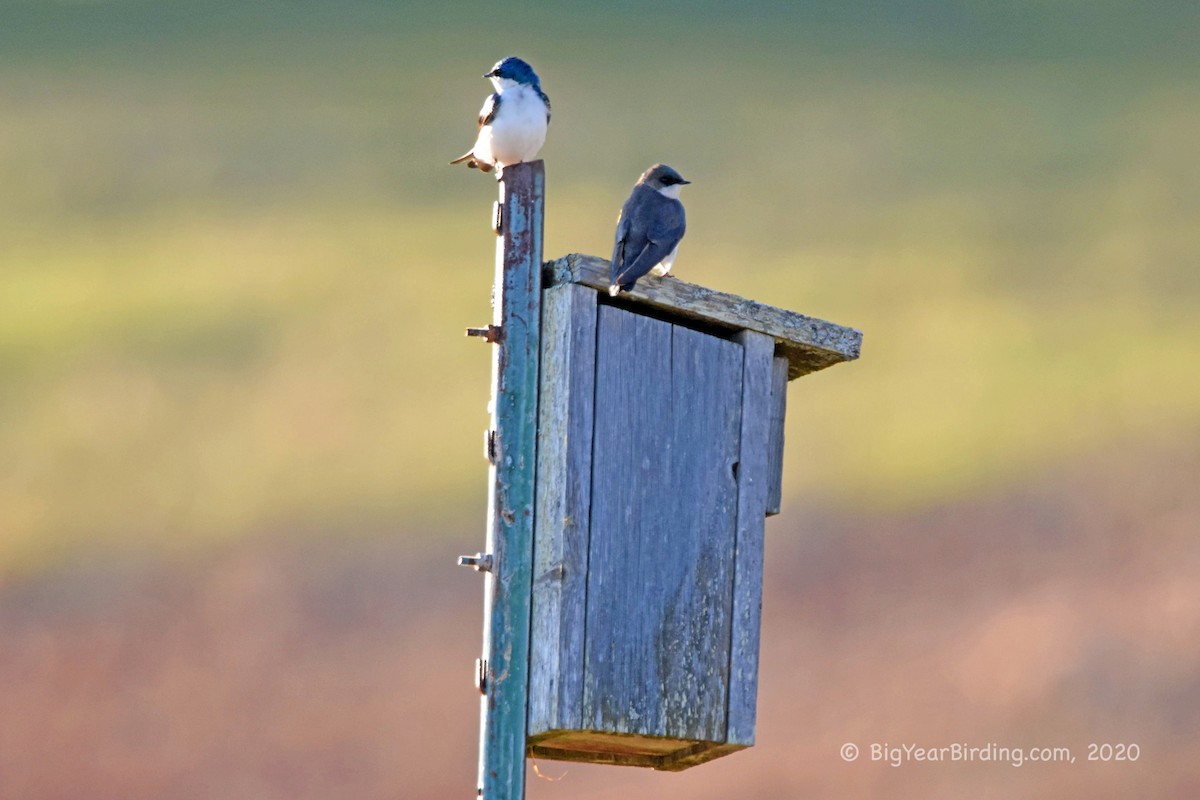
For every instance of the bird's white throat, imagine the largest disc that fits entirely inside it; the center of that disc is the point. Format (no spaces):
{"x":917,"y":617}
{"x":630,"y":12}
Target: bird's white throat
{"x":503,"y":83}
{"x":671,"y":191}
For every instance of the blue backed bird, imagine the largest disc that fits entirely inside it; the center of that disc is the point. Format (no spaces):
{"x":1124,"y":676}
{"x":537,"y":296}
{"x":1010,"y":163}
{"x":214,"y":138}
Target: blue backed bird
{"x":513,"y":120}
{"x":649,"y":229}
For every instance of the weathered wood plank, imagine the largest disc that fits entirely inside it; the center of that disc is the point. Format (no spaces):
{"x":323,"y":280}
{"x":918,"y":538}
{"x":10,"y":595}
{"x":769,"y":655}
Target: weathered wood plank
{"x":628,"y":750}
{"x":685,"y":759}
{"x":629,"y":471}
{"x":809,"y":344}
{"x":778,"y":411}
{"x":517,"y":310}
{"x":563,"y":507}
{"x":753,"y":478}
{"x":664,"y":499}
{"x":694,"y":636}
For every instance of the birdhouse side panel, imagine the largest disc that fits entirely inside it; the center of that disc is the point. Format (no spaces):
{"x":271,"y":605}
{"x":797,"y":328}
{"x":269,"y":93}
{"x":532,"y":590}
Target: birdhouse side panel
{"x":564,"y":484}
{"x":778,"y":412}
{"x":754,"y":479}
{"x":663,"y":525}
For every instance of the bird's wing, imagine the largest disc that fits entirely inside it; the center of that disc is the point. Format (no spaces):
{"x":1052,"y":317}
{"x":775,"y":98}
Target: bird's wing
{"x":490,"y":107}
{"x":664,"y":225}
{"x":545,"y":100}
{"x":622,"y":237}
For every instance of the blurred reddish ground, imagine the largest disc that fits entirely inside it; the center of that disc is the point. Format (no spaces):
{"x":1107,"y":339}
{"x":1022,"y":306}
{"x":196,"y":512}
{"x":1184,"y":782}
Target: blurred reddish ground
{"x":1057,"y":614}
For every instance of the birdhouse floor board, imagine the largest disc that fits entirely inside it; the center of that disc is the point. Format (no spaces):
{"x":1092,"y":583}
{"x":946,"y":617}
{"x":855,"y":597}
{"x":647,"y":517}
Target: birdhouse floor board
{"x":628,"y":750}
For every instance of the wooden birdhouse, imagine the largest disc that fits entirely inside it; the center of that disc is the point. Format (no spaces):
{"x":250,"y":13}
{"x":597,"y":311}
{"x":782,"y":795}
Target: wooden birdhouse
{"x":635,"y":448}
{"x":659,"y":454}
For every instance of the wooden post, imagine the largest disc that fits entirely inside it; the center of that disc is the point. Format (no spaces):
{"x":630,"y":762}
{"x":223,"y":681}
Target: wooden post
{"x":512,"y":452}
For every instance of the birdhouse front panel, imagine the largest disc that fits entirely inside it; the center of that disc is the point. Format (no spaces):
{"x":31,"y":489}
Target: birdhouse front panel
{"x":664,"y":496}
{"x":644,"y":627}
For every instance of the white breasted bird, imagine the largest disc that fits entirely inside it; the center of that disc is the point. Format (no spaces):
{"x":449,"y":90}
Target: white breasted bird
{"x":513,"y":120}
{"x":649,"y":229}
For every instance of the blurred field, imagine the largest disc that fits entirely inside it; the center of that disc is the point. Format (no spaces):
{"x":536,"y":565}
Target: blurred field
{"x":236,"y":269}
{"x":237,"y":409}
{"x":1048,"y":615}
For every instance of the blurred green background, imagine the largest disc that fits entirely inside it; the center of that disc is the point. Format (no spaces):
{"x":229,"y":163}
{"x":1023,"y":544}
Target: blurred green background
{"x":235,"y":270}
{"x":235,"y":267}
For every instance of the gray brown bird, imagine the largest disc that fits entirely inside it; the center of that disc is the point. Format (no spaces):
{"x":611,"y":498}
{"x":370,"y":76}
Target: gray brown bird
{"x":649,"y":229}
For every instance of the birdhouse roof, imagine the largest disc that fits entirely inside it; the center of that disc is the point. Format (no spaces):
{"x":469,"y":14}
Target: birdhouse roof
{"x":809,"y":344}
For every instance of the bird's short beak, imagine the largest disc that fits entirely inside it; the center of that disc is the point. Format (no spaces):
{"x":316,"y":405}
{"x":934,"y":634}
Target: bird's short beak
{"x":491,"y":74}
{"x":684,"y":181}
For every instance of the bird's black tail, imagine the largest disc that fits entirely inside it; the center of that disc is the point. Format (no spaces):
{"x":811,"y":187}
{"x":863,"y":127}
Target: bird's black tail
{"x":469,"y":157}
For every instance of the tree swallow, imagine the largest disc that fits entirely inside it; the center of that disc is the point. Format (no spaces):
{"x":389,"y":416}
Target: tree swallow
{"x":649,"y":228}
{"x":513,"y":120}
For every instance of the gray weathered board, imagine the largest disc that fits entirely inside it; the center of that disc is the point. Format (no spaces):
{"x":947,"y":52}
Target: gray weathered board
{"x":659,"y":455}
{"x":807,"y":343}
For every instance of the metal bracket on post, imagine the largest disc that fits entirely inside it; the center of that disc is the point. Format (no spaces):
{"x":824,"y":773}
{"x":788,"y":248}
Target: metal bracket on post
{"x":492,"y":334}
{"x":482,"y":562}
{"x":508,"y":574}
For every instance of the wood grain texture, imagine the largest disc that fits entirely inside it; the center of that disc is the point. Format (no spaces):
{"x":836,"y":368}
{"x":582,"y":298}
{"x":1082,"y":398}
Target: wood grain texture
{"x":630,"y":450}
{"x":563,"y":507}
{"x":753,"y":487}
{"x":517,"y":310}
{"x":663,"y":518}
{"x":628,"y":750}
{"x":808,"y":344}
{"x":778,"y":412}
